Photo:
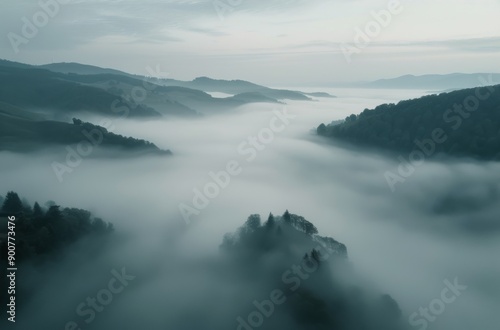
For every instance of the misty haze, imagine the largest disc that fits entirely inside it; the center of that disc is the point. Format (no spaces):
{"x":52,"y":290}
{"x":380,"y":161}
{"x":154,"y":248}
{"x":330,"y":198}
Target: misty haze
{"x":249,"y":165}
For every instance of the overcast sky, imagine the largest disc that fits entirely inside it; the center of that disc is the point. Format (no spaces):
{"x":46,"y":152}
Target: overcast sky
{"x":274,"y":42}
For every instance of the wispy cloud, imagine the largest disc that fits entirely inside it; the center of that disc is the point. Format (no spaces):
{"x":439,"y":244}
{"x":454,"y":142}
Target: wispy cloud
{"x":304,"y":34}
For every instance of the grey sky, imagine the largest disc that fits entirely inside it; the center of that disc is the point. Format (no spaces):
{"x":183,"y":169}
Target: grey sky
{"x":277,"y":42}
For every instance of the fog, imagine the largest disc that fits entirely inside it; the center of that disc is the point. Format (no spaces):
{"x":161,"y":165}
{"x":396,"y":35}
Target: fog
{"x":406,"y":243}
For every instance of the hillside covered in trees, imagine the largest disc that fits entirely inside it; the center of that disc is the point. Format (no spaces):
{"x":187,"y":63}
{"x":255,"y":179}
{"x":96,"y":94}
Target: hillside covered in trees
{"x":22,"y":131}
{"x":42,"y":231}
{"x":464,"y":123}
{"x":285,"y":257}
{"x":42,"y":238}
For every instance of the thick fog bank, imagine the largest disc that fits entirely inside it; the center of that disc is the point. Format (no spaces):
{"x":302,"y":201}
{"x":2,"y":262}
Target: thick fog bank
{"x":440,"y":225}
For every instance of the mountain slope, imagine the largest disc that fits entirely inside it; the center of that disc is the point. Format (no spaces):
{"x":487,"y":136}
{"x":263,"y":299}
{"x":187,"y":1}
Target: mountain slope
{"x":201,"y":83}
{"x":174,"y":99}
{"x":81,"y":69}
{"x":463,"y":123}
{"x":49,"y":92}
{"x":236,"y":87}
{"x":163,"y":99}
{"x":23,"y":134}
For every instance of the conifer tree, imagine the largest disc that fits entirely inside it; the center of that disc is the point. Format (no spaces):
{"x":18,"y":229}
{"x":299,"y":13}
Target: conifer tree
{"x":12,"y":203}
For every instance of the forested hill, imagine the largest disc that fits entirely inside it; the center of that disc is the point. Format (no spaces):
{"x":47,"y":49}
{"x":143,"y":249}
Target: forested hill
{"x":54,"y":93}
{"x":42,"y":236}
{"x":41,"y":232}
{"x":285,"y":258}
{"x":464,"y":123}
{"x":20,"y":133}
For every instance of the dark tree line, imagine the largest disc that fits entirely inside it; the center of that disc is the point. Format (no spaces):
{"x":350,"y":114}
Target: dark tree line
{"x":112,"y":139}
{"x":471,"y":124}
{"x":257,"y":235}
{"x":41,"y":231}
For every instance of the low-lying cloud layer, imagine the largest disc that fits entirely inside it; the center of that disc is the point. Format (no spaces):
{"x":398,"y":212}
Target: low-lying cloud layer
{"x":406,"y":243}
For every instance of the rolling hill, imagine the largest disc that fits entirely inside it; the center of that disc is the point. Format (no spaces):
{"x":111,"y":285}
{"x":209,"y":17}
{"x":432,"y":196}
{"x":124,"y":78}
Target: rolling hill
{"x":21,"y":131}
{"x":81,"y":69}
{"x":48,"y":92}
{"x":464,"y":123}
{"x":205,"y":84}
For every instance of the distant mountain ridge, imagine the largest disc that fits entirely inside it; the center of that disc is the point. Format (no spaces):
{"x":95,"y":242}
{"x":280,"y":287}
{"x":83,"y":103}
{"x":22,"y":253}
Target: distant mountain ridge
{"x":107,"y":94}
{"x":51,"y":92}
{"x":436,"y":81}
{"x":83,"y":69}
{"x":205,"y":84}
{"x":237,"y":87}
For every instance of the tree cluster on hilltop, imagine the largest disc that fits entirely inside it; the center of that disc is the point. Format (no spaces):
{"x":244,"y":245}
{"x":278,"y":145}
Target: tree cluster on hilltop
{"x":286,"y":253}
{"x":40,"y":231}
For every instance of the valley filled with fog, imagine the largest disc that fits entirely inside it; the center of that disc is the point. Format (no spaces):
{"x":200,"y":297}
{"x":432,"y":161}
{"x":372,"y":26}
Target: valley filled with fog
{"x":398,"y":240}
